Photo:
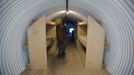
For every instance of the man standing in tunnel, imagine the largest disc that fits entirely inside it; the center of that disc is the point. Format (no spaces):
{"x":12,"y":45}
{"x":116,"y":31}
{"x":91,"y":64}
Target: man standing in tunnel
{"x":61,"y":37}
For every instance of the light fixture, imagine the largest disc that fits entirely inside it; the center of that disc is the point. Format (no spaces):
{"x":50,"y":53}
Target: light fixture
{"x":67,"y":12}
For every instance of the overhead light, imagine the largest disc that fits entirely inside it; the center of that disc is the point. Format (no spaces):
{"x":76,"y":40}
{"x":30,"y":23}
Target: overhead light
{"x":67,"y":12}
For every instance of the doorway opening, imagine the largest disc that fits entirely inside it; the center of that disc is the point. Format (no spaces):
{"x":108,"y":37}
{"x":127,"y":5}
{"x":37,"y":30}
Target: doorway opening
{"x":71,"y":29}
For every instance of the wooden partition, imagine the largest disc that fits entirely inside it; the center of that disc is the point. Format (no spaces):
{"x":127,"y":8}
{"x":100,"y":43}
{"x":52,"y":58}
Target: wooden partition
{"x":82,"y":41}
{"x":37,"y":45}
{"x":82,"y":34}
{"x":51,"y":38}
{"x":95,"y":45}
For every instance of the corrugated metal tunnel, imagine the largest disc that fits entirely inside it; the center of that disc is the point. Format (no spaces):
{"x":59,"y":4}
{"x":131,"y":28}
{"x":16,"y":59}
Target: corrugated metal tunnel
{"x":117,"y":17}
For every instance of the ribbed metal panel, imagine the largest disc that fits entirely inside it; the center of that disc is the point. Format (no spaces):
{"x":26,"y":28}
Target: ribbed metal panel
{"x":117,"y":17}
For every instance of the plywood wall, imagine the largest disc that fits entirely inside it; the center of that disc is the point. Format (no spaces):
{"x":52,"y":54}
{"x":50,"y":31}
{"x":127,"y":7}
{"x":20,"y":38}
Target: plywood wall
{"x":95,"y":45}
{"x":37,"y":45}
{"x":82,"y":30}
{"x":51,"y":31}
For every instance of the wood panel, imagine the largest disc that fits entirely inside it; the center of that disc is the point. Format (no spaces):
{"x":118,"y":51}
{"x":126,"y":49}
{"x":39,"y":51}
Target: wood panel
{"x":37,"y":45}
{"x":95,"y":45}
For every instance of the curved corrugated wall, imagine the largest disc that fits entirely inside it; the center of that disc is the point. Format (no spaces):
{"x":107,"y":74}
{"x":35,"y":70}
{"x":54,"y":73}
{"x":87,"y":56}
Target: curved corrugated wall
{"x":117,"y":17}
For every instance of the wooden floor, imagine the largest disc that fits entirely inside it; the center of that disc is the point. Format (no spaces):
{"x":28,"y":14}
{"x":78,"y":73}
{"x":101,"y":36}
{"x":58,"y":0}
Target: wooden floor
{"x":71,"y":64}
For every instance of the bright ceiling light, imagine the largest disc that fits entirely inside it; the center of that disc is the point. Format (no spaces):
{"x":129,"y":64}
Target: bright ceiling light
{"x":67,"y":12}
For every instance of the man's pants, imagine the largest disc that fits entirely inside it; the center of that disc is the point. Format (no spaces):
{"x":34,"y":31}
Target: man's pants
{"x":62,"y":48}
